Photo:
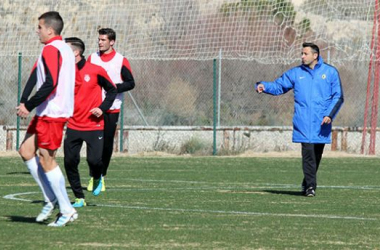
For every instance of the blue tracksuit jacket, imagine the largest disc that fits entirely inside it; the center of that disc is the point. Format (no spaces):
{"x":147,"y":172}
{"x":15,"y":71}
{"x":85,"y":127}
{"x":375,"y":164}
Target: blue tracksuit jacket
{"x":317,"y":93}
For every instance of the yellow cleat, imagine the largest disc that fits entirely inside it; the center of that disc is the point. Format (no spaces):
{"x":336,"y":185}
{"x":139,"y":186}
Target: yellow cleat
{"x":103,"y":185}
{"x":90,"y":185}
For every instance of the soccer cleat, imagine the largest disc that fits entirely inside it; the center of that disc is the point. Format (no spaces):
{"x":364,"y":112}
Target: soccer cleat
{"x":90,"y":185}
{"x":79,"y":202}
{"x":46,"y":211}
{"x":310,"y":192}
{"x":63,"y":219}
{"x":97,"y":186}
{"x":103,"y":185}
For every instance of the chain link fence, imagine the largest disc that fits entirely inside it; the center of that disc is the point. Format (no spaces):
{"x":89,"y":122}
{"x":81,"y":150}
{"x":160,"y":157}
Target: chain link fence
{"x":180,"y":93}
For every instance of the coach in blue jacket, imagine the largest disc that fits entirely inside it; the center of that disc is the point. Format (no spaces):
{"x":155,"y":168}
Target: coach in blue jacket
{"x":318,"y":97}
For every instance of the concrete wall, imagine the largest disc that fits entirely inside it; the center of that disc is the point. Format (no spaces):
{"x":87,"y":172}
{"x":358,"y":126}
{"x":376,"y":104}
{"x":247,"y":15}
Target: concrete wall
{"x":228,"y":139}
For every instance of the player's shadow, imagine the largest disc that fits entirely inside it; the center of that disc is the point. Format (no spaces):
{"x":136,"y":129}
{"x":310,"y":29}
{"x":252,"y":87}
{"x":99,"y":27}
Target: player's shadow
{"x":15,"y":173}
{"x":37,"y":201}
{"x":294,"y":193}
{"x":83,"y":188}
{"x":21,"y":219}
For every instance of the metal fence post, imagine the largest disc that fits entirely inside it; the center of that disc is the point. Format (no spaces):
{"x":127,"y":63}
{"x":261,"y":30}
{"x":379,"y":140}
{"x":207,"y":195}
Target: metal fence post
{"x":214,"y":108}
{"x":121,"y":125}
{"x":18,"y":98}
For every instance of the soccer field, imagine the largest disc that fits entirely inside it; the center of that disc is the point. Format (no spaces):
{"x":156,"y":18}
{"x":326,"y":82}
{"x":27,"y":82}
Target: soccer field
{"x":203,"y":203}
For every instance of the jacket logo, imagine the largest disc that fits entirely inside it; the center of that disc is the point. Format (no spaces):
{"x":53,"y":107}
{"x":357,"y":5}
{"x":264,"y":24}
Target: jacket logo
{"x":87,"y":78}
{"x":302,"y":77}
{"x":323,"y":76}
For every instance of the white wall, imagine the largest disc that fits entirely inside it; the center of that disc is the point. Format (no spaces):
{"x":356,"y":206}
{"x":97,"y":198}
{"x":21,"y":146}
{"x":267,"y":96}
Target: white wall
{"x":170,"y":139}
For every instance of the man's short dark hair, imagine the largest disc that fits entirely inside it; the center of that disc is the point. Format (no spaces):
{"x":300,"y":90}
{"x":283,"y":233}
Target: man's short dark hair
{"x":313,"y":47}
{"x":110,"y":33}
{"x":53,"y":20}
{"x":77,"y":43}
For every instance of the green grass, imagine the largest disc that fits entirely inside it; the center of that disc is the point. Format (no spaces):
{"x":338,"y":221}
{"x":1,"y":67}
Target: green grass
{"x":204,"y":203}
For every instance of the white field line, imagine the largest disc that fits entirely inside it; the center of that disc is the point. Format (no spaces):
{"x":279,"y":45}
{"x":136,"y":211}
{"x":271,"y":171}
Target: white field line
{"x":240,"y":185}
{"x":320,"y":216}
{"x":252,"y":185}
{"x":115,"y":188}
{"x":242,"y":213}
{"x":14,"y":196}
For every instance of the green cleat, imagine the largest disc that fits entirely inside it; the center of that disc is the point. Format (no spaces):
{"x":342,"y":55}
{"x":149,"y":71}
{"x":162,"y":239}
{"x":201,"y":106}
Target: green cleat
{"x":79,"y":202}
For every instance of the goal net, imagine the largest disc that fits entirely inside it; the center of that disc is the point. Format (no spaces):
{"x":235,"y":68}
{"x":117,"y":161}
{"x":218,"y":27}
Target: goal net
{"x":268,"y":31}
{"x":172,"y":44}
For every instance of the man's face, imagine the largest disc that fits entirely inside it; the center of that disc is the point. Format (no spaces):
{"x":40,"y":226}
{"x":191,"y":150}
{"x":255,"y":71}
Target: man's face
{"x":308,"y":56}
{"x":43,"y":32}
{"x":105,"y":45}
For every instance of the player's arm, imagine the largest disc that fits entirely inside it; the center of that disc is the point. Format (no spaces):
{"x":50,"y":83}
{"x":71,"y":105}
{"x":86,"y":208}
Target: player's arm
{"x":128,"y":80}
{"x":51,"y":59}
{"x":106,"y":83}
{"x":30,"y":84}
{"x":278,"y":87}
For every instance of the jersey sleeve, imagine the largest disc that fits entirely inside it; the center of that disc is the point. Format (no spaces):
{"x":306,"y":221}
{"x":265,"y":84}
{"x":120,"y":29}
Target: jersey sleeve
{"x":281,"y":85}
{"x":51,"y":59}
{"x":110,"y":88}
{"x":30,"y":84}
{"x":128,"y":80}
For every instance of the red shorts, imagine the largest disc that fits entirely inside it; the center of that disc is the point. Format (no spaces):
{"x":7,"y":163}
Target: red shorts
{"x":49,"y":132}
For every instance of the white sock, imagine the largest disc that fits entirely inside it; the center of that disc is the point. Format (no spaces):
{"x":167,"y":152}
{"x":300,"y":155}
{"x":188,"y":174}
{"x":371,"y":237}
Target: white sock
{"x":39,"y":176}
{"x":57,"y":183}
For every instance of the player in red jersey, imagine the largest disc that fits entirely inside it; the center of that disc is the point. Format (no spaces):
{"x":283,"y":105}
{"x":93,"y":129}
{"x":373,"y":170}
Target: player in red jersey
{"x":119,"y":69}
{"x":87,"y":125}
{"x":53,"y":75}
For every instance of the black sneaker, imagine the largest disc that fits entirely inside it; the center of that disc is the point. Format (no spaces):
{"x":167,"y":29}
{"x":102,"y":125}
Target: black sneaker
{"x":303,"y":189}
{"x":310,"y":192}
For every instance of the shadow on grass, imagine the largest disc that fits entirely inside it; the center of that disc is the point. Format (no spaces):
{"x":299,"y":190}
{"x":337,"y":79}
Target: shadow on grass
{"x":15,"y":173}
{"x":83,"y":188}
{"x":295,"y":193}
{"x":22,"y":219}
{"x":91,"y":205}
{"x":37,"y":202}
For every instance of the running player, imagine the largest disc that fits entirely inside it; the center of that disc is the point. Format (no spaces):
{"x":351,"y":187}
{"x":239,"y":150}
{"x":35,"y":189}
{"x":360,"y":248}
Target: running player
{"x":119,"y":69}
{"x":87,"y":123}
{"x":53,"y":75}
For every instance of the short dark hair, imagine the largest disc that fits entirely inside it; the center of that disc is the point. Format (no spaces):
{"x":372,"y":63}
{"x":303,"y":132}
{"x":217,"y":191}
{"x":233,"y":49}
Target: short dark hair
{"x":110,"y":33}
{"x":313,"y":47}
{"x":77,"y":43}
{"x":54,"y":20}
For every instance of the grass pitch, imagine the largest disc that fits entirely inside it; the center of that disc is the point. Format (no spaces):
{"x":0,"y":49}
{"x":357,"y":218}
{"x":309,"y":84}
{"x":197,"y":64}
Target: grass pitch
{"x":203,"y":203}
